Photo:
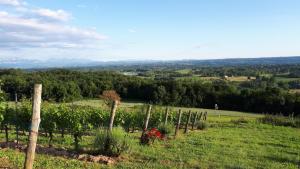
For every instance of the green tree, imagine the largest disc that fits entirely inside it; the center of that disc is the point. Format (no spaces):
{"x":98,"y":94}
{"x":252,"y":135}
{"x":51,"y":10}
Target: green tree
{"x":160,"y":95}
{"x":2,"y":109}
{"x":1,"y":93}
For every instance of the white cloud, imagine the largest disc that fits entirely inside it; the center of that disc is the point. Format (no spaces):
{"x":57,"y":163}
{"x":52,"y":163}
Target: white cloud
{"x":10,"y":2}
{"x":30,"y":27}
{"x":3,"y":14}
{"x":59,"y":15}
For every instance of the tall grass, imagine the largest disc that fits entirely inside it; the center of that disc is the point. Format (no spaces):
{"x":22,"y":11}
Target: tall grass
{"x":241,"y":120}
{"x":202,"y":125}
{"x":111,"y":143}
{"x":166,"y":129}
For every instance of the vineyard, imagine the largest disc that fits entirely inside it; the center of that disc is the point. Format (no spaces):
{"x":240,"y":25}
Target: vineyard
{"x":79,"y":120}
{"x":160,"y":137}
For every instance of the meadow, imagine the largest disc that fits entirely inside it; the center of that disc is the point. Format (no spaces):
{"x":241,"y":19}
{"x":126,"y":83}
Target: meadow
{"x":228,"y":142}
{"x":98,"y":103}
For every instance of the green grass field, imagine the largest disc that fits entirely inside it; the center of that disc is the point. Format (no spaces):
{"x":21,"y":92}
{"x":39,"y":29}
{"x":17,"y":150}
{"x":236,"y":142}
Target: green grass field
{"x":294,"y":90}
{"x":286,"y":79}
{"x":184,"y":71}
{"x":237,"y":79}
{"x":224,"y":144}
{"x":130,"y":104}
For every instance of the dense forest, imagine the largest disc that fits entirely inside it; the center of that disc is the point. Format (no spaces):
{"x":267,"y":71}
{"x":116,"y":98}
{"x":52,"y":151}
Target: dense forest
{"x":261,"y":95}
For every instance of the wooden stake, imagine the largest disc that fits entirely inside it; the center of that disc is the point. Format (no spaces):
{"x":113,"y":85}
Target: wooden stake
{"x":6,"y":133}
{"x":195,"y":120}
{"x":35,"y":121}
{"x":205,"y":116}
{"x":16,"y":119}
{"x":147,"y":117}
{"x":6,"y":125}
{"x":200,"y":116}
{"x":187,"y":122}
{"x":178,"y":122}
{"x":166,"y":116}
{"x":112,"y":114}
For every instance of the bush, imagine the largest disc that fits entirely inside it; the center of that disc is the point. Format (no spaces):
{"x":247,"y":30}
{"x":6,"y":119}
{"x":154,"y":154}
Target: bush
{"x":201,"y":125}
{"x":240,"y":120}
{"x":279,"y":120}
{"x":167,"y":129}
{"x":111,"y":143}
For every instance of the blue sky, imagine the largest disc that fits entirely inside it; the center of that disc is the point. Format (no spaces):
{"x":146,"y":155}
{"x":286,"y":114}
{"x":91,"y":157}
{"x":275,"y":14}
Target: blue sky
{"x":148,"y":29}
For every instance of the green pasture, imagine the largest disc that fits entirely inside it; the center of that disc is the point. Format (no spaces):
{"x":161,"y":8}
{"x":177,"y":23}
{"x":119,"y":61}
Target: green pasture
{"x":225,"y":144}
{"x":286,"y":79}
{"x":131,"y":104}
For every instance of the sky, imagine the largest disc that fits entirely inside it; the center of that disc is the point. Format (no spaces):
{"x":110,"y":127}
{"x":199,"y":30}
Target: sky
{"x":109,"y":30}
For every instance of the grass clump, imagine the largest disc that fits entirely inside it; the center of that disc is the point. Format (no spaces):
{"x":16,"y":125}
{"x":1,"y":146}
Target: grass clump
{"x":241,"y":120}
{"x":202,"y":125}
{"x":111,"y":143}
{"x":166,"y":129}
{"x":279,"y":120}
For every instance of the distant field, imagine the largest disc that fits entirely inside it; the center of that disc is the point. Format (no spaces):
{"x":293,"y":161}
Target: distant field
{"x":286,"y":79}
{"x":237,"y":78}
{"x":99,"y":103}
{"x":126,"y":104}
{"x":232,"y":79}
{"x":240,"y":78}
{"x":294,"y":90}
{"x":184,"y":71}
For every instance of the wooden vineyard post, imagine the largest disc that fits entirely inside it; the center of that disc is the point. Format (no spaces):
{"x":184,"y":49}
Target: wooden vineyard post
{"x":35,"y":121}
{"x":6,"y":125}
{"x":146,"y":124}
{"x":147,"y":117}
{"x":178,"y":122}
{"x":205,"y":116}
{"x":16,"y":119}
{"x":166,"y":116}
{"x":195,"y":120}
{"x":187,"y":122}
{"x":200,"y":116}
{"x":6,"y":133}
{"x":112,"y":114}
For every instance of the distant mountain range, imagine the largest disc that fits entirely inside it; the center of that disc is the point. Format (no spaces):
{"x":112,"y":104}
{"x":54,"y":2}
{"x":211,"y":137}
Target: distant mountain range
{"x":56,"y":63}
{"x":82,"y":63}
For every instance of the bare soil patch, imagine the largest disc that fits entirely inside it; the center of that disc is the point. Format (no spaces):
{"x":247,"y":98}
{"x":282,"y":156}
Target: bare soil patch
{"x":59,"y":152}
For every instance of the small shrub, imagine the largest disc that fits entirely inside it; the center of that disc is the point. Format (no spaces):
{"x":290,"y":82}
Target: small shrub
{"x":148,"y":137}
{"x":111,"y":143}
{"x":167,"y":129}
{"x":240,"y":121}
{"x":201,"y":125}
{"x":280,"y":121}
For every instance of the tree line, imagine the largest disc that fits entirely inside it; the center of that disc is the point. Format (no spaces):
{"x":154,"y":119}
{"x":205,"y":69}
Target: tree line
{"x":263,"y":95}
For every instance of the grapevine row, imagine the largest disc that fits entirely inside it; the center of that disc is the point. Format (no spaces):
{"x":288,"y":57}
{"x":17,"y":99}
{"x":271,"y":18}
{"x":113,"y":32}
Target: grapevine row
{"x":77,"y":120}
